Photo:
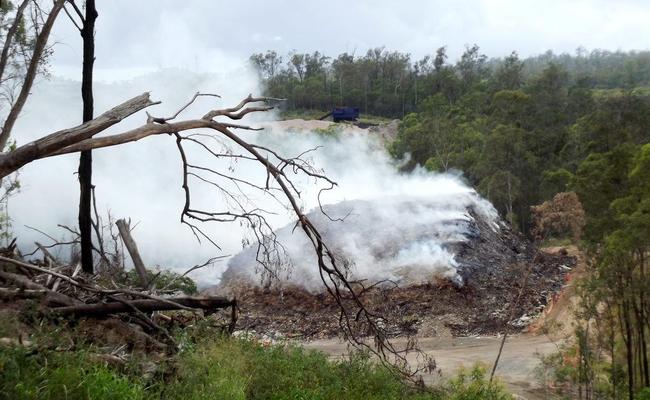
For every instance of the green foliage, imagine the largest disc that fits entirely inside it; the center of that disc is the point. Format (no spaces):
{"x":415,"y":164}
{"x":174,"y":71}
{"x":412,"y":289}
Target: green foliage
{"x":535,"y":121}
{"x":614,"y":185}
{"x":599,"y":180}
{"x":392,"y":84}
{"x":213,"y":372}
{"x":472,"y":384}
{"x":333,"y":130}
{"x":61,"y":375}
{"x":644,"y":394}
{"x":161,"y":279}
{"x":240,"y":369}
{"x":223,"y":368}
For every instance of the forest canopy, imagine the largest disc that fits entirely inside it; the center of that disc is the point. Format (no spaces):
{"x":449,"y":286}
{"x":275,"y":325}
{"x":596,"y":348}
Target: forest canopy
{"x":520,"y":130}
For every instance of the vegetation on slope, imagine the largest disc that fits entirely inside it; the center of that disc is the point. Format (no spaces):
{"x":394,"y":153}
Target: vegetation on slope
{"x":209,"y":368}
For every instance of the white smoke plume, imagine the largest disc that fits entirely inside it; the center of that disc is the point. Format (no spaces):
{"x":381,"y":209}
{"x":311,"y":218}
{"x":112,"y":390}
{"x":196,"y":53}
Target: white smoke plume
{"x":142,"y":180}
{"x":396,"y":226}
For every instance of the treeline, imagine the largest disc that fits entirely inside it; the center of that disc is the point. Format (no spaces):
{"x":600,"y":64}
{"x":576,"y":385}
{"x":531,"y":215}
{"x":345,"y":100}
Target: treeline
{"x":609,"y":358}
{"x":393,"y":84}
{"x":521,"y":141}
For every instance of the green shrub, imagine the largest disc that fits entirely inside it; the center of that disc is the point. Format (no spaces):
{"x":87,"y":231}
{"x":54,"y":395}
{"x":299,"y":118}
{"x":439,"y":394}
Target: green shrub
{"x":210,"y":372}
{"x":644,"y":394}
{"x":473,"y":385}
{"x":161,"y":279}
{"x":333,"y":130}
{"x":60,"y":375}
{"x":222,"y":368}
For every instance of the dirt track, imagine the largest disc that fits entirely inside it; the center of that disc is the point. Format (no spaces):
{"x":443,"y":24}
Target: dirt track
{"x":516,"y":367}
{"x":520,"y":355}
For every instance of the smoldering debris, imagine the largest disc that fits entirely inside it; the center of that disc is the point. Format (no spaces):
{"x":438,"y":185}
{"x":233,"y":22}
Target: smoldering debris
{"x":403,"y":239}
{"x":495,"y":264}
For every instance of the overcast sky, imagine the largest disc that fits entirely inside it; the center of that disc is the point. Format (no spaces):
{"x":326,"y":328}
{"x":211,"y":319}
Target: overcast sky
{"x":211,"y":35}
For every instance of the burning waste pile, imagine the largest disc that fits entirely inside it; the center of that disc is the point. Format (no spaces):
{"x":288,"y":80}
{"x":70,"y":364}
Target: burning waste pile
{"x":437,"y":255}
{"x":404,"y":240}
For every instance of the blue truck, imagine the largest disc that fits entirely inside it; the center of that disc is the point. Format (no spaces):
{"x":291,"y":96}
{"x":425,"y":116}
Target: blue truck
{"x":343,"y":114}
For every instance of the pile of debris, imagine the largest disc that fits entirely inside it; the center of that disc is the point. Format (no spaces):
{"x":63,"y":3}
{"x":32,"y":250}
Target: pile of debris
{"x":131,"y":312}
{"x":506,"y":282}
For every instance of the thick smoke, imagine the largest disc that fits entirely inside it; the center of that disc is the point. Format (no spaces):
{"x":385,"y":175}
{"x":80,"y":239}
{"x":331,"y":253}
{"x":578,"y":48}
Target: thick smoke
{"x":139,"y":180}
{"x":395,"y":226}
{"x":142,"y":180}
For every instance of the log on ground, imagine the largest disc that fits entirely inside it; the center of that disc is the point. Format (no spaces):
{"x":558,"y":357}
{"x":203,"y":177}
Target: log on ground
{"x":146,"y":305}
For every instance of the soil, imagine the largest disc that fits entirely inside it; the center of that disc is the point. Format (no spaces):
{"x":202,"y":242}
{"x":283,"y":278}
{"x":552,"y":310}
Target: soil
{"x":559,"y":315}
{"x":386,"y":131}
{"x":516,"y":369}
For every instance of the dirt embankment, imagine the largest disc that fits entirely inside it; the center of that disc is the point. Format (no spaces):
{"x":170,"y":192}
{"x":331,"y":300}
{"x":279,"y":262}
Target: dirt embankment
{"x":386,"y":131}
{"x":559,"y":315}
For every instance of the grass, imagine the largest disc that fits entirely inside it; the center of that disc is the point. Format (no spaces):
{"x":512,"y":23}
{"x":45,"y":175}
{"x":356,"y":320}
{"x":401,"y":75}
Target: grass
{"x":221,"y":368}
{"x":61,"y":375}
{"x":556,"y":242}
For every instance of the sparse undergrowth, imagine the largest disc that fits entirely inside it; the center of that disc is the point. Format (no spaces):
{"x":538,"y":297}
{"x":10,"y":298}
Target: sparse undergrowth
{"x":216,"y":368}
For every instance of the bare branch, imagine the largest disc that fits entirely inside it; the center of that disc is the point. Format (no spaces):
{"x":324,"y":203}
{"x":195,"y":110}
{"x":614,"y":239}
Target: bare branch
{"x":77,"y":10}
{"x":194,"y":268}
{"x":30,"y":76}
{"x":192,"y":100}
{"x":71,"y":18}
{"x":237,"y":112}
{"x":355,"y":320}
{"x":53,"y":143}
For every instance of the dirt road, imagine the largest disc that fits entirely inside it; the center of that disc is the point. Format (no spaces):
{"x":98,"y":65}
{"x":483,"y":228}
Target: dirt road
{"x":516,"y":367}
{"x":520,"y":357}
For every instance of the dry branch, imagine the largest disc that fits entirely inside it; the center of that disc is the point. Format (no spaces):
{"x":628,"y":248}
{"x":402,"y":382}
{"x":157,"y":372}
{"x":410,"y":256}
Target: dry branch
{"x":50,"y":144}
{"x":125,"y":233}
{"x":24,"y":283}
{"x":146,"y":305}
{"x":7,"y":294}
{"x":356,"y":321}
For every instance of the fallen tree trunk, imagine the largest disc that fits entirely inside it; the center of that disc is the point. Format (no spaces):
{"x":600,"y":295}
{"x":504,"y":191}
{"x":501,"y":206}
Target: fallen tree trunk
{"x":13,"y":294}
{"x":24,"y":283}
{"x":146,"y":305}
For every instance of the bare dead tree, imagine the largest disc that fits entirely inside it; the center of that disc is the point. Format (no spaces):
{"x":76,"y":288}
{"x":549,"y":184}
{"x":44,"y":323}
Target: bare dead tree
{"x":125,"y":233}
{"x":217,"y":138}
{"x":86,"y":28}
{"x":12,"y":74}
